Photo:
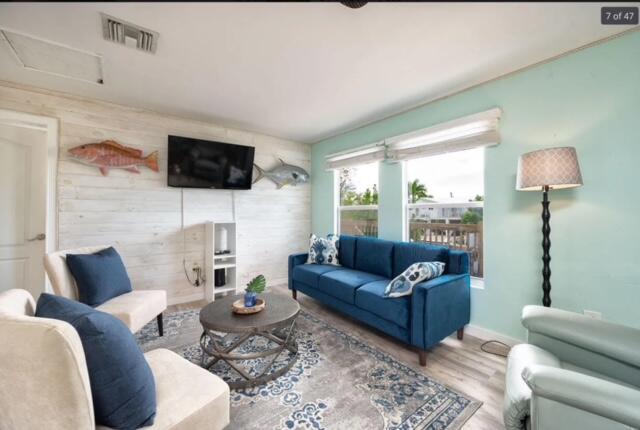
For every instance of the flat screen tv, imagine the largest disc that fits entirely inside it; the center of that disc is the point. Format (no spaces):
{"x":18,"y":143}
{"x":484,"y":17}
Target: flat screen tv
{"x":195,"y":163}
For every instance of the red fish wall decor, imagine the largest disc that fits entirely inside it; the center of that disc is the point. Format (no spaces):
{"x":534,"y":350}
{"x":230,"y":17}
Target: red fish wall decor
{"x":111,"y":155}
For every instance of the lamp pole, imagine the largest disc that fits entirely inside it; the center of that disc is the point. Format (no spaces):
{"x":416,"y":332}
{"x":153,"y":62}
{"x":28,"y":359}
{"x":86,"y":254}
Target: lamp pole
{"x":546,"y":245}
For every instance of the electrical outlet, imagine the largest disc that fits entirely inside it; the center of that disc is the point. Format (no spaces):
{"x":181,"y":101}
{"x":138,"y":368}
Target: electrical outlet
{"x":593,"y":314}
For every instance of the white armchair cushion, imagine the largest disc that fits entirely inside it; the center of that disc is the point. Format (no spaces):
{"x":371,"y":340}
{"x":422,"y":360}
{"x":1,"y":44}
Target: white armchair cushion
{"x":136,"y":308}
{"x":189,"y":397}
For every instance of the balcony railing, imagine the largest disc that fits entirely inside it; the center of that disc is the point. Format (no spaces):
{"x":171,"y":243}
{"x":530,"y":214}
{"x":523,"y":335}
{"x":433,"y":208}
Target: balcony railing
{"x":359,"y":220}
{"x":444,"y":229}
{"x":465,"y":237}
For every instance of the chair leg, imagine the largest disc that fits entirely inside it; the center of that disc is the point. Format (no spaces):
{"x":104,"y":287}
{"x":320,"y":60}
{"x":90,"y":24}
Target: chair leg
{"x":294,"y":294}
{"x":460,"y":333}
{"x":160,"y":325}
{"x":422,"y":355}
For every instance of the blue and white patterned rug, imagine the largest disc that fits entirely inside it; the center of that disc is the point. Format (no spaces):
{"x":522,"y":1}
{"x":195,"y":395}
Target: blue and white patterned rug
{"x":338,"y":382}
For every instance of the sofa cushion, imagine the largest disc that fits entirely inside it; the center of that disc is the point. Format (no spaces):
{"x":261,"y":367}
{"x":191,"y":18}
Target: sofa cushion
{"x":407,"y":253}
{"x":370,"y":297}
{"x":402,"y":285}
{"x":347,"y":251}
{"x":342,"y":284}
{"x":122,"y":384}
{"x":374,"y":256}
{"x":310,"y":273}
{"x":323,"y":251}
{"x":99,"y":277}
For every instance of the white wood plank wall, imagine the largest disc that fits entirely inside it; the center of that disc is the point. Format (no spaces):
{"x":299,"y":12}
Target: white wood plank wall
{"x":140,"y":215}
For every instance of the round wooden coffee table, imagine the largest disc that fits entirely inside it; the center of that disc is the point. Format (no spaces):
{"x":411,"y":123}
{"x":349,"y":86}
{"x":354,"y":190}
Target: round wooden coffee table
{"x":275,"y":323}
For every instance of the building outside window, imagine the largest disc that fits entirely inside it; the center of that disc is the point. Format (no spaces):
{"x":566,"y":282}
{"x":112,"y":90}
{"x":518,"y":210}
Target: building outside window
{"x":358,"y":205}
{"x":446,"y":201}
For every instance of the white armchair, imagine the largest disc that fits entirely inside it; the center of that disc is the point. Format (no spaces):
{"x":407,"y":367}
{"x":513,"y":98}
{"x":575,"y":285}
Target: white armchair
{"x":45,"y":381}
{"x":574,"y":373}
{"x":135,"y":309}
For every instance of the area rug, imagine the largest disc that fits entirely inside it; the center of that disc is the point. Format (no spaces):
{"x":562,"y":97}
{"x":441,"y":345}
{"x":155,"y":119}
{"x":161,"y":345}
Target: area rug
{"x":337,"y":382}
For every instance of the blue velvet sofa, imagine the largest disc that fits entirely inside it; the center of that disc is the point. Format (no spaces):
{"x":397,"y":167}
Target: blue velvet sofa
{"x":436,"y":308}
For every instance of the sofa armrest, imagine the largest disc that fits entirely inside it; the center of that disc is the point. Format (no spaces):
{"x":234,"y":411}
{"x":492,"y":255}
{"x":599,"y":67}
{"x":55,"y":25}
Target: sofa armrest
{"x":438,"y":308}
{"x":296,"y":260}
{"x":611,"y":340}
{"x":576,"y":390}
{"x":458,"y":262}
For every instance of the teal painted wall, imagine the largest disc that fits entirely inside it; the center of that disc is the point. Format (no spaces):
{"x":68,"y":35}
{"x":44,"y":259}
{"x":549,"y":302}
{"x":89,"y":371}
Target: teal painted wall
{"x":589,"y":99}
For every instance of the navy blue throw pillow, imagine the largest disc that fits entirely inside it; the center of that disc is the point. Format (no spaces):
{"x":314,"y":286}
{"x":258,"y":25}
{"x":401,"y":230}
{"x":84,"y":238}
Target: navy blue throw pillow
{"x":99,"y":277}
{"x":122,"y":384}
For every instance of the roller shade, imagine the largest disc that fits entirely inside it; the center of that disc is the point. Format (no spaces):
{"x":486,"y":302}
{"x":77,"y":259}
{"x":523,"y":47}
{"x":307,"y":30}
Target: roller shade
{"x":362,"y":155}
{"x":473,"y":131}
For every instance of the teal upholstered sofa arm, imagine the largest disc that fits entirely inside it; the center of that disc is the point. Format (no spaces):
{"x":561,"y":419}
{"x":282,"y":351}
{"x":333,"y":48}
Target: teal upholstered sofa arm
{"x":561,"y":397}
{"x":547,"y":327}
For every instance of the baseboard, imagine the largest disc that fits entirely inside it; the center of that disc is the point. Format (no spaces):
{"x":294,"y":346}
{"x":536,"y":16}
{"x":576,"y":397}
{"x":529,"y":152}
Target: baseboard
{"x":486,"y":334}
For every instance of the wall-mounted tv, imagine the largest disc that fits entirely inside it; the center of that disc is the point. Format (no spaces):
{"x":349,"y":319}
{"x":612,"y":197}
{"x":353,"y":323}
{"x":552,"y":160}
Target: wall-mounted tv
{"x":195,"y":163}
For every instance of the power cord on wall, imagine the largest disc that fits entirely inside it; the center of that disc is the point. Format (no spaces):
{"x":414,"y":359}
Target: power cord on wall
{"x":200,"y":277}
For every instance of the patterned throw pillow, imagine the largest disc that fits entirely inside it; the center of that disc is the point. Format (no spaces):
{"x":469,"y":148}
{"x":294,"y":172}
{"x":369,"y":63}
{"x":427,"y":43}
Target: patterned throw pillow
{"x":323,"y":251}
{"x":403,"y":284}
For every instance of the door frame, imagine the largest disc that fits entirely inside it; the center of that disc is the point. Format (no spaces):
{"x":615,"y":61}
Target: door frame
{"x":51,"y":127}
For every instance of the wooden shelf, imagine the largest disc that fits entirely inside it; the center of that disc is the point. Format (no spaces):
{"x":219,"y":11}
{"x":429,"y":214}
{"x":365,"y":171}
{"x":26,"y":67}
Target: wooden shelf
{"x":224,"y":289}
{"x":214,"y":262}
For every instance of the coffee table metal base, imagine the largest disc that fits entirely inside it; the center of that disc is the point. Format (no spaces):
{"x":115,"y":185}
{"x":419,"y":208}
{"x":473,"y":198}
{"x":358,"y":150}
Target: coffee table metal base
{"x":214,"y":351}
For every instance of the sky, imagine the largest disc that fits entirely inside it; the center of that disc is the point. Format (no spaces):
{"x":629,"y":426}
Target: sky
{"x":453,"y":177}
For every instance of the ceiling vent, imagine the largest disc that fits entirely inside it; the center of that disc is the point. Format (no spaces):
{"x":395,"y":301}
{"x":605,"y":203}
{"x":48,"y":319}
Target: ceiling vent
{"x":125,"y":33}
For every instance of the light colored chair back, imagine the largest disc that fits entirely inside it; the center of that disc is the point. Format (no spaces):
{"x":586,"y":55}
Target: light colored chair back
{"x":43,"y":372}
{"x":61,"y":279}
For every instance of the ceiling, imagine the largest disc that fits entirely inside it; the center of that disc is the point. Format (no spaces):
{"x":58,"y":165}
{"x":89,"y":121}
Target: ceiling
{"x":302,"y":71}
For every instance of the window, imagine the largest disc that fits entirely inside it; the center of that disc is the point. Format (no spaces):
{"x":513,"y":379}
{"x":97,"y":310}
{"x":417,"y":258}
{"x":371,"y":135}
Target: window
{"x":446,"y":200}
{"x":358,"y":206}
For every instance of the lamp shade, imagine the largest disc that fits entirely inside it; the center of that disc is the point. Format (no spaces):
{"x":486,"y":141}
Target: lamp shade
{"x":553,"y":167}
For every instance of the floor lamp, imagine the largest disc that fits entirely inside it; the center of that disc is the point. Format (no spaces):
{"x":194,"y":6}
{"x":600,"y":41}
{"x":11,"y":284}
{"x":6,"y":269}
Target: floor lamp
{"x":545,"y":170}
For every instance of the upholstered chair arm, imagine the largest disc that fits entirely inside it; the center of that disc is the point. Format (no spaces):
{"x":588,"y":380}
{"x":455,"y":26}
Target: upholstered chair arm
{"x":439,"y":307}
{"x":563,"y":399}
{"x":296,"y":260}
{"x":549,"y":328}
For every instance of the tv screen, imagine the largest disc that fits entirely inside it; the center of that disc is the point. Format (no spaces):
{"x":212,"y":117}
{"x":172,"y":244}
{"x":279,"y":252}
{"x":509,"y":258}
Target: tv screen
{"x":195,"y":163}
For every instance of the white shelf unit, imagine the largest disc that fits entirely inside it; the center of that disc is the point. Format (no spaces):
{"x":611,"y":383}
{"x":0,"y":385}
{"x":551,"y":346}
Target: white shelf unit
{"x":215,"y":261}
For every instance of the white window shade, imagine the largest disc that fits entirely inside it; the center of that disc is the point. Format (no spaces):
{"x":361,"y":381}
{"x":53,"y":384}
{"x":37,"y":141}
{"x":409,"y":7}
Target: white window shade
{"x":354,"y":157}
{"x":473,"y":131}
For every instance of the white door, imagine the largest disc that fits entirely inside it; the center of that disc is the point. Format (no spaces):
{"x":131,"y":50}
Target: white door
{"x":23,"y":205}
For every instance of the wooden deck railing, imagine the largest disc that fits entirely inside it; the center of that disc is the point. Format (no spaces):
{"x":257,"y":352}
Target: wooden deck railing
{"x":465,"y":237}
{"x":356,"y":227}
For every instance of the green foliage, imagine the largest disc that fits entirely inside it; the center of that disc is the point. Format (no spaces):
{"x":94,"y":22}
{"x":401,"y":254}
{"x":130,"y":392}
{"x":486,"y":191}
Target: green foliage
{"x":471,"y":217}
{"x":348,"y":194}
{"x":417,"y":191}
{"x":256,"y":285}
{"x":477,"y":198}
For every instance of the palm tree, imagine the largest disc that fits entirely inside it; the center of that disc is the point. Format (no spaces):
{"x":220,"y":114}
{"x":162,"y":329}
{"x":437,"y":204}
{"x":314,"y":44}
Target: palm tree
{"x":417,"y":191}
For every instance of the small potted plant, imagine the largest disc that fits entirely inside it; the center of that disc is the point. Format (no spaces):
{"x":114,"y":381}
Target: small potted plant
{"x":254,"y":287}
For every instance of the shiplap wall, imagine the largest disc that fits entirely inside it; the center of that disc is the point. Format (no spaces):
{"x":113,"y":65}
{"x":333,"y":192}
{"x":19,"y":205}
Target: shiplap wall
{"x":141,"y":216}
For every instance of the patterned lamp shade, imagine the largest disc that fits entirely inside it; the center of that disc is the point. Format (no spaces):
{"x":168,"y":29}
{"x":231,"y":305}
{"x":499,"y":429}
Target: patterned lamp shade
{"x":554,"y":167}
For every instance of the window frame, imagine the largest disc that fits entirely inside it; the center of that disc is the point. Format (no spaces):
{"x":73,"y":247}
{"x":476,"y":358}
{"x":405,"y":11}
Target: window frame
{"x":476,"y":282}
{"x":338,"y":200}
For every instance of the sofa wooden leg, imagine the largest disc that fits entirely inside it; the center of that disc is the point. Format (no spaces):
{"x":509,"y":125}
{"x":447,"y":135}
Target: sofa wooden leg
{"x":294,"y":294}
{"x":160,"y":324}
{"x":422,"y":355}
{"x":460,"y":333}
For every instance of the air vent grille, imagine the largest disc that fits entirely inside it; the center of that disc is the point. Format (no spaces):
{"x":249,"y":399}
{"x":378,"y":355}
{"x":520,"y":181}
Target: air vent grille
{"x":125,"y":33}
